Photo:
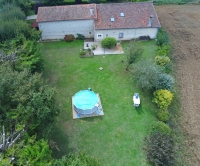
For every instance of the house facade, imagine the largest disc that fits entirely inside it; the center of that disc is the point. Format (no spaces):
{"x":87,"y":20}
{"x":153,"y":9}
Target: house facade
{"x":124,"y":21}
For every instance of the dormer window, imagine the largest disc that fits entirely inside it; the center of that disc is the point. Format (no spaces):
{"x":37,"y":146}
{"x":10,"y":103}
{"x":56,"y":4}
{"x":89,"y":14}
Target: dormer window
{"x":112,"y":19}
{"x":122,"y":14}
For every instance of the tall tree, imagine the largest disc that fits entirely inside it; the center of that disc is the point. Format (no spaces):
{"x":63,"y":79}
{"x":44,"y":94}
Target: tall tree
{"x":26,"y":101}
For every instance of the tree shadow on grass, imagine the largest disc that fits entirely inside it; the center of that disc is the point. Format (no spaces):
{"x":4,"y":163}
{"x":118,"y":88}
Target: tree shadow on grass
{"x":61,"y":141}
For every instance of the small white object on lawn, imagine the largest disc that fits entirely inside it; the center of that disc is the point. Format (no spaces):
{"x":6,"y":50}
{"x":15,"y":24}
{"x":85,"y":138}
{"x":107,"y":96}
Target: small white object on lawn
{"x":101,"y":68}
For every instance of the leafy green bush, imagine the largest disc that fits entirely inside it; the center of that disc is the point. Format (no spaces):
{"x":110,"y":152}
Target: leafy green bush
{"x":163,"y":50}
{"x":76,"y":160}
{"x":108,"y":42}
{"x":80,"y":36}
{"x":163,"y":115}
{"x":162,"y":98}
{"x":161,"y":38}
{"x":162,"y":60}
{"x":161,"y":127}
{"x":151,"y":76}
{"x":69,"y":37}
{"x":160,"y":149}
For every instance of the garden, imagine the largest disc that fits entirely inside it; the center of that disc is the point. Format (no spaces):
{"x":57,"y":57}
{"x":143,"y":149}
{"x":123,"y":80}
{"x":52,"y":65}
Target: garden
{"x":118,"y":136}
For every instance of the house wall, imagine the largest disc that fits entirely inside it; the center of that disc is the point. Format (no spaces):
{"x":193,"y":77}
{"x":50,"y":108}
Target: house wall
{"x":128,"y":34}
{"x":58,"y":29}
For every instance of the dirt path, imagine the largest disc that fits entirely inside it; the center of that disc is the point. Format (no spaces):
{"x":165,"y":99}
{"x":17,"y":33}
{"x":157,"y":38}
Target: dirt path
{"x":182,"y":22}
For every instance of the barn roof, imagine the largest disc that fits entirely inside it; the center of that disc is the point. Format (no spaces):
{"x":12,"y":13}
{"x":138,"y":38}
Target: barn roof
{"x":126,"y":15}
{"x":70,"y":12}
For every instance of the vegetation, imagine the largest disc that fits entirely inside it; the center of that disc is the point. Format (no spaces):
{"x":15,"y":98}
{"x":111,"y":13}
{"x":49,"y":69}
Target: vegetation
{"x":80,"y":159}
{"x":162,"y":98}
{"x":163,"y":115}
{"x":53,"y":3}
{"x":26,"y":101}
{"x":161,"y":127}
{"x":112,"y":136}
{"x":134,"y":52}
{"x":108,"y":42}
{"x":160,"y":149}
{"x":69,"y":38}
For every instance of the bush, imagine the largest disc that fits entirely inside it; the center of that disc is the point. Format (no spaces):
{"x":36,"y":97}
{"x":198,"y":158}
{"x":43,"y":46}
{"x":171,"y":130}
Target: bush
{"x":162,"y":38}
{"x":69,"y":37}
{"x":80,"y":36}
{"x":161,"y":127}
{"x":82,"y":52}
{"x":94,"y":46}
{"x":163,"y":115}
{"x":160,"y":149}
{"x":108,"y":42}
{"x":163,"y":50}
{"x":162,"y":98}
{"x":162,"y":60}
{"x":164,"y":81}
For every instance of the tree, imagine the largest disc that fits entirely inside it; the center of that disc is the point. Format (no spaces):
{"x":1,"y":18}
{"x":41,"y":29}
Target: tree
{"x":27,"y":151}
{"x":26,"y":101}
{"x":11,"y":12}
{"x":150,"y":76}
{"x":160,"y":149}
{"x":162,"y":98}
{"x":108,"y":42}
{"x":35,"y":153}
{"x":22,"y":53}
{"x":53,"y":3}
{"x":134,"y":51}
{"x":94,"y":1}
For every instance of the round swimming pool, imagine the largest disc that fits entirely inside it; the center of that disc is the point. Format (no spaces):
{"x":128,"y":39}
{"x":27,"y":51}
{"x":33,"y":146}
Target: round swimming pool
{"x":85,"y":102}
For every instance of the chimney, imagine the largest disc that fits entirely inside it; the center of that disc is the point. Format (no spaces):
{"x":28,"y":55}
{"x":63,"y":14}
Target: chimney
{"x":150,"y":20}
{"x":91,"y":11}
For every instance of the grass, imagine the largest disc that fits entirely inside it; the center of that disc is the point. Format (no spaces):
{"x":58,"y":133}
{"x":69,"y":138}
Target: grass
{"x":117,"y":138}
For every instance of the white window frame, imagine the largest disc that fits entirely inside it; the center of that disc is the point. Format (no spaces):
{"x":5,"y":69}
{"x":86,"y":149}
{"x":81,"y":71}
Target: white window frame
{"x":99,"y":36}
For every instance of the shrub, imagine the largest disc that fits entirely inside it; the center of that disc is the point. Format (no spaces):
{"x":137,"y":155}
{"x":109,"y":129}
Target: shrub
{"x":82,"y":52}
{"x":161,"y":127}
{"x":108,"y":42}
{"x":163,"y":115}
{"x":69,"y":37}
{"x":160,"y":149}
{"x":162,"y":98}
{"x":164,"y":81}
{"x":162,"y":60}
{"x":80,"y":36}
{"x":162,"y":37}
{"x":94,"y":46}
{"x":163,"y":50}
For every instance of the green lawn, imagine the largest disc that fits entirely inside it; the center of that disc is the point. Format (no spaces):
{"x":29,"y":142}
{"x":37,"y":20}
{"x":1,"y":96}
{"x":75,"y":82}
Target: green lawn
{"x":115,"y":139}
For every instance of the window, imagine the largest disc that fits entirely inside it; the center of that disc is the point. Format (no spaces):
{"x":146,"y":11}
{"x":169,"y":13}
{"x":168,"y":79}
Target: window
{"x":121,"y":35}
{"x":99,"y":36}
{"x":106,"y":35}
{"x":112,"y":19}
{"x":89,"y":32}
{"x":122,"y":14}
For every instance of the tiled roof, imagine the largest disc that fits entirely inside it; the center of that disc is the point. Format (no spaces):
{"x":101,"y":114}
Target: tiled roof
{"x":70,"y":12}
{"x":136,"y":15}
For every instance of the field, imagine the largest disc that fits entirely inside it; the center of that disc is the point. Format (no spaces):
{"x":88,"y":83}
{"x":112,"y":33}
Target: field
{"x":182,"y":22}
{"x":115,"y":139}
